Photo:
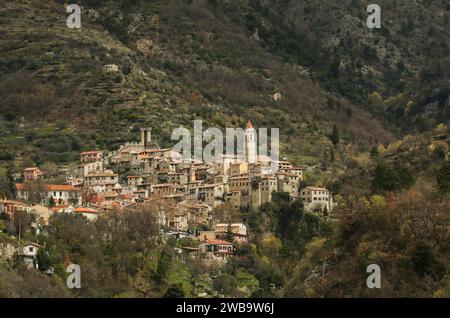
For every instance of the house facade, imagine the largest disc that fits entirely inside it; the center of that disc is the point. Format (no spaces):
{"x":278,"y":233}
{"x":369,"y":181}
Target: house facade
{"x":217,"y":250}
{"x":11,"y":207}
{"x":316,"y":199}
{"x":32,"y":174}
{"x":44,"y":193}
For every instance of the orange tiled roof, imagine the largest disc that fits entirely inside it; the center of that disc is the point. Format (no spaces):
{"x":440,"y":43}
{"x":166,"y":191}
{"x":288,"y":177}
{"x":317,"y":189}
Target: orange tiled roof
{"x":218,"y":242}
{"x":31,"y":169}
{"x":85,"y":210}
{"x":14,"y":202}
{"x":59,"y":207}
{"x":49,"y":187}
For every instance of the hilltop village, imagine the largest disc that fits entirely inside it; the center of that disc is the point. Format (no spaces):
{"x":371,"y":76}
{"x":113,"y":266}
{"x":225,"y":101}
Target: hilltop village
{"x":184,"y":194}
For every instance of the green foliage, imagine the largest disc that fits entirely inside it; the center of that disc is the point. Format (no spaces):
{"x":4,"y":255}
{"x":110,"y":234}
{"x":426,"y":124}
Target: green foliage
{"x":387,"y":179}
{"x":443,"y":178}
{"x":175,"y":291}
{"x":51,"y":202}
{"x":290,"y":223}
{"x":335,"y":136}
{"x":425,"y":263}
{"x":164,"y":262}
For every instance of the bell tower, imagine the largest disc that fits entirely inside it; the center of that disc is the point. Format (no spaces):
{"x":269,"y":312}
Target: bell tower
{"x":250,"y":146}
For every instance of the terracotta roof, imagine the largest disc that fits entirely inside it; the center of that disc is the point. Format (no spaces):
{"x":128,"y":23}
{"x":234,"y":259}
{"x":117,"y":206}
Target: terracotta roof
{"x":217,"y":242}
{"x":31,"y":169}
{"x":31,"y":243}
{"x":85,"y":210}
{"x":111,"y":194}
{"x":49,"y":187}
{"x":126,"y":196}
{"x":59,"y":207}
{"x":14,"y":202}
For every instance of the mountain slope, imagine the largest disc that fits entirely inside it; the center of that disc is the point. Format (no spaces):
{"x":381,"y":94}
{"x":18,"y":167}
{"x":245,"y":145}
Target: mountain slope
{"x":221,"y":61}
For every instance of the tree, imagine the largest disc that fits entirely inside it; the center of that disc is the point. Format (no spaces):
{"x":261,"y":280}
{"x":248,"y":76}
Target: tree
{"x":443,"y":178}
{"x":384,"y":179}
{"x":51,"y":202}
{"x":50,"y":169}
{"x":335,"y":136}
{"x":376,"y":101}
{"x":387,"y":179}
{"x":11,"y":180}
{"x":164,"y":261}
{"x":175,"y":291}
{"x":424,"y":262}
{"x":404,"y":177}
{"x":229,"y":235}
{"x":2,"y":225}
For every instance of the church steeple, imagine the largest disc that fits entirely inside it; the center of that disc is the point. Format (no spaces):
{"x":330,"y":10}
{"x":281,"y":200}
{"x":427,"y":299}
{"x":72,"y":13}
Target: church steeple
{"x":250,"y":148}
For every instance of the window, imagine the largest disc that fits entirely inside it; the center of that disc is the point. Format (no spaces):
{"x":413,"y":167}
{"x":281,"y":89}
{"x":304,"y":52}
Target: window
{"x":30,"y":249}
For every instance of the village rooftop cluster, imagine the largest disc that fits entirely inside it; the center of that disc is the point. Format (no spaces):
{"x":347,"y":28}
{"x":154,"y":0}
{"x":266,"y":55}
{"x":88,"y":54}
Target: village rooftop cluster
{"x":184,"y":193}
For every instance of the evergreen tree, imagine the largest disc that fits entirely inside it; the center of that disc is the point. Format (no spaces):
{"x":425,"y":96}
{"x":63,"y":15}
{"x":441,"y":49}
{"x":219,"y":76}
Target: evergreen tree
{"x":325,"y":211}
{"x":11,"y":180}
{"x":229,"y":233}
{"x":443,"y":178}
{"x":404,"y":177}
{"x":335,"y":136}
{"x":384,"y":179}
{"x":51,"y":202}
{"x":391,"y":179}
{"x":175,"y":291}
{"x":163,"y":266}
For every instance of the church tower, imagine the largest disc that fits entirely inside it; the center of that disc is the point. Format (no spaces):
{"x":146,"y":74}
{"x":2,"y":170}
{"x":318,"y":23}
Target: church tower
{"x":250,"y":143}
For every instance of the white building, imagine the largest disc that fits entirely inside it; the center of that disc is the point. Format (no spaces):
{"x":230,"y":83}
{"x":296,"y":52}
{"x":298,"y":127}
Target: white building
{"x":317,"y":199}
{"x":60,"y":193}
{"x":88,"y":213}
{"x":28,"y":254}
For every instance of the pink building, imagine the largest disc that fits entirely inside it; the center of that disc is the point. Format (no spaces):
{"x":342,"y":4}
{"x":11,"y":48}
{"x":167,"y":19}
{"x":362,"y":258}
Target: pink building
{"x":32,"y":173}
{"x":90,"y":156}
